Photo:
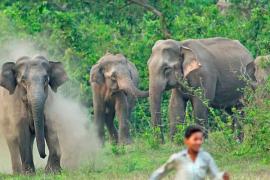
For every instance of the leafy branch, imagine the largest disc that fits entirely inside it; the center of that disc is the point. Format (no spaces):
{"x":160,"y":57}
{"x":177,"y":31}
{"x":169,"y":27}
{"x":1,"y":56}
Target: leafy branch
{"x":155,"y":11}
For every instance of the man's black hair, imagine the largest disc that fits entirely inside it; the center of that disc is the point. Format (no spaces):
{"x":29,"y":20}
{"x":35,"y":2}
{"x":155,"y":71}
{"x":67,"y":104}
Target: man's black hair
{"x":191,"y":130}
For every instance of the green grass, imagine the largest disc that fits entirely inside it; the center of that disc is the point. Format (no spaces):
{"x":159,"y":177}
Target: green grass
{"x":138,"y":160}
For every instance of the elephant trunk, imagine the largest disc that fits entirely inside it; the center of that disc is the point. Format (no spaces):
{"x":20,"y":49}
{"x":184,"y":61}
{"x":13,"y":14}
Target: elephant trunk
{"x":126,"y":84}
{"x":37,"y":104}
{"x":155,"y":106}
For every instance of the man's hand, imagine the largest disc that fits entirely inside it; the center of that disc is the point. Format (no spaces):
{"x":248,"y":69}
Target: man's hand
{"x":226,"y":176}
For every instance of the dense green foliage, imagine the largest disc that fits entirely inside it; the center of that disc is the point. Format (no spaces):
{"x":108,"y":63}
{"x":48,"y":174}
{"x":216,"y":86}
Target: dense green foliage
{"x":78,"y":33}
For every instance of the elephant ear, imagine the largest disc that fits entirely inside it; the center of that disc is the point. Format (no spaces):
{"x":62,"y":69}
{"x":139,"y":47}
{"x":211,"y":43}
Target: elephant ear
{"x":57,"y":75}
{"x":8,"y":77}
{"x":96,"y":74}
{"x":251,"y":70}
{"x":190,"y":60}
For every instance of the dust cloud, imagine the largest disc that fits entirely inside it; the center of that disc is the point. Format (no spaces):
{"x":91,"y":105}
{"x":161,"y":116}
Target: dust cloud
{"x":78,"y":141}
{"x":15,"y":48}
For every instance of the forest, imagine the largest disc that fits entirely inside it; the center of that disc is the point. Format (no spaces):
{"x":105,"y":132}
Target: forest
{"x":79,"y":33}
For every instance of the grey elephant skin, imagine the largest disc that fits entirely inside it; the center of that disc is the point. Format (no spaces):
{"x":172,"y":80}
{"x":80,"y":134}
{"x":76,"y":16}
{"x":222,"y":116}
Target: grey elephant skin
{"x":114,"y":81}
{"x":26,"y":91}
{"x":215,"y":65}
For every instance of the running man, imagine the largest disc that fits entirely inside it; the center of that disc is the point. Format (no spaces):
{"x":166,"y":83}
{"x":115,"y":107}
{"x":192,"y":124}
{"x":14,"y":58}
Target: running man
{"x":193,"y":163}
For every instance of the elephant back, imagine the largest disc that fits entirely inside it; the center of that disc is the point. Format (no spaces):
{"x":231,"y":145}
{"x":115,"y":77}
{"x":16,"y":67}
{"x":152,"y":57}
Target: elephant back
{"x":224,"y":55}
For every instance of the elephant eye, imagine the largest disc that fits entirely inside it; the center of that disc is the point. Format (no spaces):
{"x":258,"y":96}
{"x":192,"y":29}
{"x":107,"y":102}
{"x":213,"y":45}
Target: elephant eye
{"x":113,"y":77}
{"x":23,"y":80}
{"x":167,"y":70}
{"x":46,"y":80}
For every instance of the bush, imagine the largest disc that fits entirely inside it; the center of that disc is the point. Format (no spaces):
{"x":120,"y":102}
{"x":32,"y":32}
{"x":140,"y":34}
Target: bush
{"x":79,"y":33}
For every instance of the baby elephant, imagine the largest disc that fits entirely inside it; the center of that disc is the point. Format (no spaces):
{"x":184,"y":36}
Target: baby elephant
{"x":114,"y":81}
{"x":25,"y":94}
{"x":262,"y":68}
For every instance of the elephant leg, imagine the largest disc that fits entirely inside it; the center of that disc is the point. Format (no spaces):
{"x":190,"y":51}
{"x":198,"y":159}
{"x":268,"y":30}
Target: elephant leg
{"x":99,"y":121}
{"x":236,"y":126}
{"x":200,"y":111}
{"x":122,"y":112}
{"x":207,"y":82}
{"x":53,"y":164}
{"x":14,"y":150}
{"x":110,"y":126}
{"x":26,"y":139}
{"x":177,"y":111}
{"x":99,"y":116}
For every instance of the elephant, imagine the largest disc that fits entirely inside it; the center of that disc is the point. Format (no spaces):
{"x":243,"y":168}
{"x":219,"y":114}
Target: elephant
{"x":223,"y":6}
{"x":27,"y":88}
{"x":114,"y":82}
{"x":213,"y":65}
{"x":261,"y":67}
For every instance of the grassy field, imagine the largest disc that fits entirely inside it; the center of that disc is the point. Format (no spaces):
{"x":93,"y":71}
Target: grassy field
{"x":138,"y":160}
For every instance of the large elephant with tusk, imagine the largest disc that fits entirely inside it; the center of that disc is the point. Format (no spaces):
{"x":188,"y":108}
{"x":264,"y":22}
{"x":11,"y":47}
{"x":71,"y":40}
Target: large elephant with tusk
{"x":114,"y":81}
{"x":25,"y":94}
{"x":214,"y":65}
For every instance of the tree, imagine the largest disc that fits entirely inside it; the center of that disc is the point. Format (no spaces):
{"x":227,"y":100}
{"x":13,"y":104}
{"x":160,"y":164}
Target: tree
{"x":147,"y":6}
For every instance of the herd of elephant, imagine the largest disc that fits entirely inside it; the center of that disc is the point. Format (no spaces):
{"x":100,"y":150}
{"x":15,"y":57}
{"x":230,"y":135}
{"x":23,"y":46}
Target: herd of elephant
{"x":214,"y":65}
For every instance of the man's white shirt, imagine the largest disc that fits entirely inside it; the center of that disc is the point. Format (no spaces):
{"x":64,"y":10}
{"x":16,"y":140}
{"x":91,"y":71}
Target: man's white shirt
{"x":186,"y":169}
